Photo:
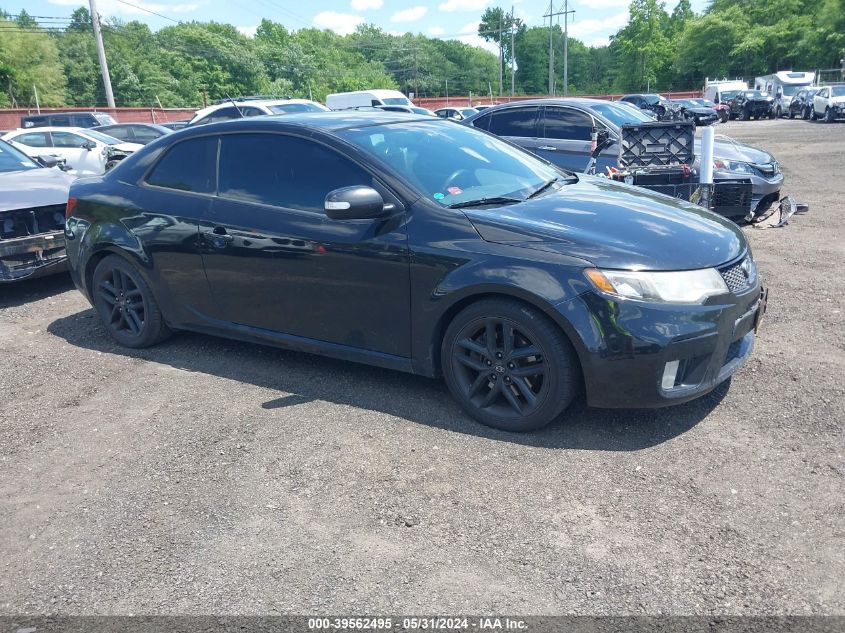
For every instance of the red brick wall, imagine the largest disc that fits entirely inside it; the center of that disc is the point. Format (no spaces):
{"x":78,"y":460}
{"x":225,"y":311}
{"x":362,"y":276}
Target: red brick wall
{"x":11,"y":119}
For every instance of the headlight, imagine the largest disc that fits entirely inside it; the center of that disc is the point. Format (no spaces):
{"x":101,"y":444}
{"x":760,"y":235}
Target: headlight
{"x":733,"y":165}
{"x":684,"y":286}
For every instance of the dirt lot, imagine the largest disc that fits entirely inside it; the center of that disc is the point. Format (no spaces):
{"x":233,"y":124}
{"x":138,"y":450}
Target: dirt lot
{"x":207,"y":476}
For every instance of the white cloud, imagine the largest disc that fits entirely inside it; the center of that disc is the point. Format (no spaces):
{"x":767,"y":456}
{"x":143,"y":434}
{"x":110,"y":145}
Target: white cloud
{"x":599,"y":41}
{"x":340,"y":23}
{"x":479,"y":42}
{"x":363,"y":5}
{"x":113,"y":7}
{"x":409,"y":15}
{"x":249,"y":31}
{"x":604,"y":4}
{"x":436,"y":30}
{"x":463,"y":5}
{"x":471,"y":27}
{"x":584,"y":28}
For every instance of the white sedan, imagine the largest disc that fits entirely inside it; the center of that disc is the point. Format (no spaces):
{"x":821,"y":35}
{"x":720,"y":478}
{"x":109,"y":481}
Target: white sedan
{"x":86,"y":152}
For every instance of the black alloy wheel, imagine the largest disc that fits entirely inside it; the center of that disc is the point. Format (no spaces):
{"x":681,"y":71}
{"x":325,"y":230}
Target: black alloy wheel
{"x":508,"y":366}
{"x":126,"y":305}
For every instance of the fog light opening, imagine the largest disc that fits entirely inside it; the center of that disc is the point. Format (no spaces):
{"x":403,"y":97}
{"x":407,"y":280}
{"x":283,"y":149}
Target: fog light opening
{"x":670,"y":372}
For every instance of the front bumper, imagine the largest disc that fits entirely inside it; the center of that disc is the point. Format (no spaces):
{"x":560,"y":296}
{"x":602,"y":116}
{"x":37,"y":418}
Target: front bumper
{"x":764,"y":190}
{"x":628,"y":345}
{"x":32,"y":256}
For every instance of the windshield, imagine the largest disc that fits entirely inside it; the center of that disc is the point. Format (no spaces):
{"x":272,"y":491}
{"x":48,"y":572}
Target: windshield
{"x":468,"y":112}
{"x":452,"y":164}
{"x":837,"y":91}
{"x":396,"y":101}
{"x":791,"y":90}
{"x":730,"y":94}
{"x":621,"y":115}
{"x":14,"y":160}
{"x":291,"y":108}
{"x":103,"y":138}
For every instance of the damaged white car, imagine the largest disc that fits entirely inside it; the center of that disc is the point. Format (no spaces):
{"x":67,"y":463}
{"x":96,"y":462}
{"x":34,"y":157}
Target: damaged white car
{"x":33,"y":197}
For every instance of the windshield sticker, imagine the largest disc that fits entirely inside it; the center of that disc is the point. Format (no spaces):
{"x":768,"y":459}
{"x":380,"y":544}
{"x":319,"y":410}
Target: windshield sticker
{"x":455,"y":190}
{"x":439,"y":196}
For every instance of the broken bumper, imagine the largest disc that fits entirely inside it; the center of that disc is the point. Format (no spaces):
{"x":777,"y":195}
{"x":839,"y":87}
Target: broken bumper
{"x":32,"y":256}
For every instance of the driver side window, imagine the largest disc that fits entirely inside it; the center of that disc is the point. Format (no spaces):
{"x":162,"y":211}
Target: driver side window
{"x":68,"y":140}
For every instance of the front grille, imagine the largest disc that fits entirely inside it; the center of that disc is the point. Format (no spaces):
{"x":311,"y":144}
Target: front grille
{"x":738,"y":276}
{"x":732,"y":197}
{"x":33,"y":221}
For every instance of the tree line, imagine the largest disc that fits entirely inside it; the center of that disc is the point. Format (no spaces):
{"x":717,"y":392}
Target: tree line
{"x":187,"y":63}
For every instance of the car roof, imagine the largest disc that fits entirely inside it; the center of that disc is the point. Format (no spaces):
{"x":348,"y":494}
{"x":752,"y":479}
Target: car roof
{"x":246,"y":103}
{"x":49,"y":128}
{"x":331,"y":121}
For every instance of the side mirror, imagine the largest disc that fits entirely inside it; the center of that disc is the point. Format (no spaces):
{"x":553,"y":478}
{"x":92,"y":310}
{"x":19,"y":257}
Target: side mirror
{"x":46,"y":160}
{"x":355,"y":203}
{"x":89,"y":145}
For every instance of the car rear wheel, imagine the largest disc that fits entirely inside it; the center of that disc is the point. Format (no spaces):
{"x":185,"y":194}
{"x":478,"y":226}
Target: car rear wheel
{"x":509,"y":366}
{"x":125,"y":304}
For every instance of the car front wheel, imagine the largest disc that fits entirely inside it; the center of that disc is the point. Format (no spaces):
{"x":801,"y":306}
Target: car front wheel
{"x":125,"y":304}
{"x":509,"y":366}
{"x":829,"y":117}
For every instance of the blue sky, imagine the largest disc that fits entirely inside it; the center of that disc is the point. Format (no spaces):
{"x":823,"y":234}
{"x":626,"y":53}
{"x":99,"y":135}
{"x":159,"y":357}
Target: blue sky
{"x":594,"y":20}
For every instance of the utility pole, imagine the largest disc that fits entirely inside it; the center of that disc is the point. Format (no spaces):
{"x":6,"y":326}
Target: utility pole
{"x":501,"y":54}
{"x":101,"y":53}
{"x":513,"y":55}
{"x":566,"y":12}
{"x":551,"y":15}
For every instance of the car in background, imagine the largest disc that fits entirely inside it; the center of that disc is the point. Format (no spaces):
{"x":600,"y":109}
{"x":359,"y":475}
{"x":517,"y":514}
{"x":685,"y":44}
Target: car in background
{"x":751,"y":104}
{"x":366,"y":98}
{"x":141,"y":133}
{"x":67,"y":119}
{"x":86,"y":152}
{"x":175,"y":125}
{"x":521,"y":285}
{"x":244,"y":108}
{"x":662,"y":108}
{"x":458,"y":114}
{"x":829,"y":103}
{"x":696,"y":113}
{"x":720,"y":91}
{"x":32,"y":216}
{"x":801,"y":105}
{"x":558,"y":130}
{"x":411,"y":109}
{"x":721,"y":109}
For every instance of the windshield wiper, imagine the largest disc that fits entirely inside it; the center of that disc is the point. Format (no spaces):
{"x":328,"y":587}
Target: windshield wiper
{"x":542,"y":188}
{"x":481,"y":202}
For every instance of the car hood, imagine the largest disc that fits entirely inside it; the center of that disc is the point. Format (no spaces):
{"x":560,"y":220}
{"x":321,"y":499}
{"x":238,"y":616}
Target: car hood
{"x":127,"y":147}
{"x":837,"y":99}
{"x":731,"y":150}
{"x":614,"y":226}
{"x":33,"y":188}
{"x":702,"y":111}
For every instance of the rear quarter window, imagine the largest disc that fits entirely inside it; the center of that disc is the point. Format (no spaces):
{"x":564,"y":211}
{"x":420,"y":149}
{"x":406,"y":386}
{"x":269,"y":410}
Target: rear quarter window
{"x":188,"y":166}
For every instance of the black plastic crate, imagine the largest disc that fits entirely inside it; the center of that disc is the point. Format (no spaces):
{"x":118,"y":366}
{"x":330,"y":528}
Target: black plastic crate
{"x":657,"y":144}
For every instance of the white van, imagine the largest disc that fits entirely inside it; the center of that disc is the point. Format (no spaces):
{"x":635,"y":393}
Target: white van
{"x":720,"y":90}
{"x":782,"y":86}
{"x":366,"y":98}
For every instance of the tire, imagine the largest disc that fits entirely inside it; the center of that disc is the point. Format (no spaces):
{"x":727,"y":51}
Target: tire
{"x":724,"y":116}
{"x":829,"y":116}
{"x":777,"y":113}
{"x":774,"y":115}
{"x":743,"y":115}
{"x":125,"y":304}
{"x":512,"y":390}
{"x":805,"y":114}
{"x":791,"y":114}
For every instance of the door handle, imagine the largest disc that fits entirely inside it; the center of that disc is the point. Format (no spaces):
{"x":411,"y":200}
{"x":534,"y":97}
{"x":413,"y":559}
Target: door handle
{"x":218,"y":237}
{"x":547,"y":148}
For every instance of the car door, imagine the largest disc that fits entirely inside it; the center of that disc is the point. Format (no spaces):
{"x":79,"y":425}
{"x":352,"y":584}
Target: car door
{"x":517,"y":124}
{"x":33,"y":143}
{"x":565,"y":139}
{"x":87,"y":161}
{"x":275,"y":261}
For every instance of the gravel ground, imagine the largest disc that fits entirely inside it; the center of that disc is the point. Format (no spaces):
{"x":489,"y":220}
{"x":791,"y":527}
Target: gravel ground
{"x":209,"y":476}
